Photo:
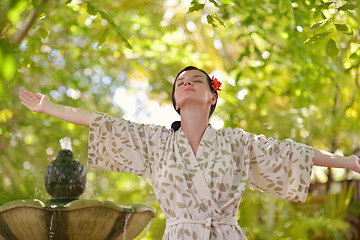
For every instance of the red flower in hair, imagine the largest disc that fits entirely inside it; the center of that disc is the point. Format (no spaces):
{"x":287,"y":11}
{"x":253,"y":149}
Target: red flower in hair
{"x":216,"y":84}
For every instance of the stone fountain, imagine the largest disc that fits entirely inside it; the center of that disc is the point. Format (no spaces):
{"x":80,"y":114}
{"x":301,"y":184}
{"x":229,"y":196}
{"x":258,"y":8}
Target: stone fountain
{"x":65,"y":216}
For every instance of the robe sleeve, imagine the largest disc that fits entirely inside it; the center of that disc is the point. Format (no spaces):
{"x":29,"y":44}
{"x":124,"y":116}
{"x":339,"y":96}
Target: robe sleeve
{"x":282,"y":168}
{"x":118,"y":145}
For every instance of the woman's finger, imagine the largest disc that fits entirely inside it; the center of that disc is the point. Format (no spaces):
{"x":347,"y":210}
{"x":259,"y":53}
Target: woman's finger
{"x":30,"y":95}
{"x":27,"y":98}
{"x":26,"y":104}
{"x":23,"y":96}
{"x":357,"y":161}
{"x":39,"y":95}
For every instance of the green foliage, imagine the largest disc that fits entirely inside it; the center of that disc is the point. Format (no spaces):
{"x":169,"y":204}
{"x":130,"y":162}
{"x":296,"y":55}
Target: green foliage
{"x":323,"y":217}
{"x":331,"y":49}
{"x":211,"y":17}
{"x":195,"y":6}
{"x":332,"y":13}
{"x":92,"y":10}
{"x":80,"y":52}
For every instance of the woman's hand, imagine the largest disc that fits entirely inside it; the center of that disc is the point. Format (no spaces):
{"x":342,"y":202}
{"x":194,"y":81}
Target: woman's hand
{"x":326,"y":159}
{"x":42,"y":103}
{"x":356,"y":163}
{"x":35,"y":102}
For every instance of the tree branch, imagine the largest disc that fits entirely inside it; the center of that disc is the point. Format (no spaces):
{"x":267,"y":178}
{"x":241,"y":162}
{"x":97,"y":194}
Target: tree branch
{"x":19,"y":36}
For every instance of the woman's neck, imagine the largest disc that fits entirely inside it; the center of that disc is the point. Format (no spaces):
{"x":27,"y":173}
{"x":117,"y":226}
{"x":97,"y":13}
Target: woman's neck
{"x":194,"y":123}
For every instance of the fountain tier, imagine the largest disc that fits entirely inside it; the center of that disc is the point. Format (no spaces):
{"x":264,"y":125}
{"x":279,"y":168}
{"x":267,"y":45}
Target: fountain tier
{"x":79,"y":219}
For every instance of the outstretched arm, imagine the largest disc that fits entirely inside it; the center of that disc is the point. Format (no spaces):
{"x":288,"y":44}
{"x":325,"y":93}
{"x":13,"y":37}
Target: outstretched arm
{"x":326,"y":159}
{"x":41,"y":103}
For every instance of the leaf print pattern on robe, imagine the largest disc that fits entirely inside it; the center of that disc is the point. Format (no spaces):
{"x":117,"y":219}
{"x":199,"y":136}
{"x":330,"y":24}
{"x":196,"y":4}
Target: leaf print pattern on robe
{"x":200,"y":194}
{"x":121,"y":146}
{"x":280,"y":167}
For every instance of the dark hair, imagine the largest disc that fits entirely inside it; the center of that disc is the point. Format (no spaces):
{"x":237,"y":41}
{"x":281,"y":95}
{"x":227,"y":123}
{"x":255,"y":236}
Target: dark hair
{"x":176,"y":125}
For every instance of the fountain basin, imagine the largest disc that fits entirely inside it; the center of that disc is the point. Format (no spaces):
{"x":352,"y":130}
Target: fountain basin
{"x":80,"y":219}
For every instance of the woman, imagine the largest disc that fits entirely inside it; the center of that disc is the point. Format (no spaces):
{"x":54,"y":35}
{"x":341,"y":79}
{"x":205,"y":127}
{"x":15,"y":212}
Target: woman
{"x":198,"y":173}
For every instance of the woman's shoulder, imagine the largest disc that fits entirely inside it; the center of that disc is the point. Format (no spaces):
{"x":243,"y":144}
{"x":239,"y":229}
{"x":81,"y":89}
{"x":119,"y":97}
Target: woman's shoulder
{"x":233,"y":132}
{"x":106,"y":119}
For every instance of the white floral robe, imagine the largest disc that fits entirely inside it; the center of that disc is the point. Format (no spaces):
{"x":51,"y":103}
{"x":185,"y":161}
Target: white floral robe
{"x":200,"y":194}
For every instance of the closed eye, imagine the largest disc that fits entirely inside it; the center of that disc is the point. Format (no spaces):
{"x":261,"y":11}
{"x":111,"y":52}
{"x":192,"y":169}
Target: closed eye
{"x":197,"y":78}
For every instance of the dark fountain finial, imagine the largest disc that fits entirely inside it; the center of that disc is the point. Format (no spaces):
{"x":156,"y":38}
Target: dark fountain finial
{"x":61,"y":218}
{"x":65,"y":178}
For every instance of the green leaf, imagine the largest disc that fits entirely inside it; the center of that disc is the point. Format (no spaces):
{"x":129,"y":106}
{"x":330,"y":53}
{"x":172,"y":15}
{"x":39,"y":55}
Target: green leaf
{"x":341,"y":27}
{"x":344,"y":29}
{"x":215,"y":3}
{"x":111,"y":22}
{"x":348,"y":6}
{"x":8,"y":66}
{"x":210,"y":20}
{"x":226,"y":2}
{"x":320,"y":23}
{"x":285,"y":6}
{"x":17,"y":8}
{"x":317,"y":37}
{"x":42,"y":33}
{"x":34,"y":45}
{"x":91,"y":9}
{"x":117,"y":29}
{"x":68,"y":1}
{"x":323,"y":6}
{"x":196,"y":7}
{"x":103,"y":38}
{"x":25,"y":60}
{"x":218,"y":19}
{"x":331,"y":49}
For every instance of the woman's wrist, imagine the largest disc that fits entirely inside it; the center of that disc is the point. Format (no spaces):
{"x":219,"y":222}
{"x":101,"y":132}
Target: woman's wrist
{"x":48,"y":107}
{"x":347,"y":162}
{"x":354,"y":163}
{"x":326,"y":159}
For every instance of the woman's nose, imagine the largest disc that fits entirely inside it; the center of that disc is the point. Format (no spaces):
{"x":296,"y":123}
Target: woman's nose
{"x":187,"y":83}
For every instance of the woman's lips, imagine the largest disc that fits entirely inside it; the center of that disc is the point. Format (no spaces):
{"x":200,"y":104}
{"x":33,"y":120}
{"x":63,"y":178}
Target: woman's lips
{"x":188,"y":90}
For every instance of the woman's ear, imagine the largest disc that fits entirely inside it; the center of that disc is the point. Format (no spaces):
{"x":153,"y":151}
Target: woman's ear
{"x":214,"y":98}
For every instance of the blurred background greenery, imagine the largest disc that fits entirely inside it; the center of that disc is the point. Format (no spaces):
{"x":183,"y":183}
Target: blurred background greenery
{"x":290,"y":68}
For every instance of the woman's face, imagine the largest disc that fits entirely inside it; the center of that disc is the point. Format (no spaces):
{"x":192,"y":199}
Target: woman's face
{"x":192,"y":87}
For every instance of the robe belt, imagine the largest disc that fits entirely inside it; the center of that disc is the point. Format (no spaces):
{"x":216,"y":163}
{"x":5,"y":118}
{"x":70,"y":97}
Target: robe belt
{"x":208,"y":223}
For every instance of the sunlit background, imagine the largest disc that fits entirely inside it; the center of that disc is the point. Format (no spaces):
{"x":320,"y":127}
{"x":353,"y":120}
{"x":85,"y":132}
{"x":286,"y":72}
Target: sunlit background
{"x":290,"y":69}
